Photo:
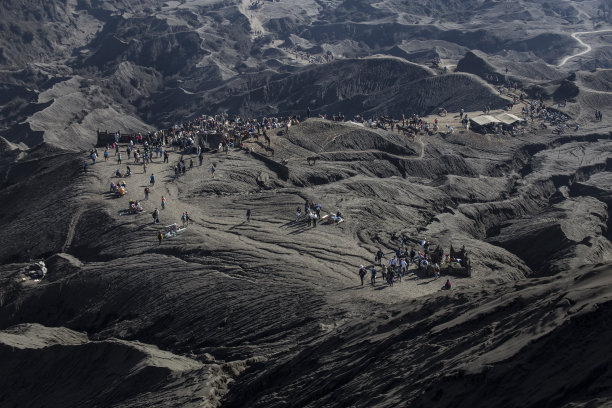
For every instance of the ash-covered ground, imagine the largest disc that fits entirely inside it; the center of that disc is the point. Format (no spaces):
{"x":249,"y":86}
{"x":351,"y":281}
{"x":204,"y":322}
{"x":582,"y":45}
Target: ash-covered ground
{"x":271,"y":312}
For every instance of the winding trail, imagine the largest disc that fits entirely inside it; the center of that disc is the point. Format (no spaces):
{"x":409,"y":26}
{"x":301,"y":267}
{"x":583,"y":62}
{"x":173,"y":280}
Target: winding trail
{"x":72,"y":229}
{"x":588,"y":47}
{"x":420,"y":141}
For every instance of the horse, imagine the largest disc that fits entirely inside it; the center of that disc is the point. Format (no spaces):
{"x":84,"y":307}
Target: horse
{"x":312,"y":159}
{"x":406,"y":131}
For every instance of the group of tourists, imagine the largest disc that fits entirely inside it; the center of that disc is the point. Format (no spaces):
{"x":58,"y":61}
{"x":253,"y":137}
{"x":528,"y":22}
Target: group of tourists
{"x":119,"y":189}
{"x":425,"y":261}
{"x":312,"y":212}
{"x":144,"y":148}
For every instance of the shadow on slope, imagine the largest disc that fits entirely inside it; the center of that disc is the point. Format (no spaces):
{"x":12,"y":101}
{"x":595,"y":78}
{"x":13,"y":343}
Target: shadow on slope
{"x":365,"y":86}
{"x":69,"y":370}
{"x":453,"y":348}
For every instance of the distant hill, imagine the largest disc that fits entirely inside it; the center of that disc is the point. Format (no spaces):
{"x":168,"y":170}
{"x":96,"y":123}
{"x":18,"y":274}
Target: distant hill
{"x":365,"y":86}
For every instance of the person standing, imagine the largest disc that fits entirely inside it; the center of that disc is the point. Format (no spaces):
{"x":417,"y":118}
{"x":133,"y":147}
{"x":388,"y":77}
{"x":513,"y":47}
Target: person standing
{"x":146,"y":191}
{"x":155,"y":216}
{"x":362,"y":273}
{"x":248,"y":214}
{"x":212,"y":171}
{"x":152,"y":179}
{"x":160,"y":236}
{"x":163,"y":202}
{"x":379,"y":256}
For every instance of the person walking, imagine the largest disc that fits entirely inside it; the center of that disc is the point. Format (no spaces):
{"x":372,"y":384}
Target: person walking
{"x":160,"y":236}
{"x":362,"y":273}
{"x":163,"y":202}
{"x":212,"y":171}
{"x":248,"y":214}
{"x":379,"y":256}
{"x":152,"y":179}
{"x":147,"y":190}
{"x":155,"y":215}
{"x":373,"y":276}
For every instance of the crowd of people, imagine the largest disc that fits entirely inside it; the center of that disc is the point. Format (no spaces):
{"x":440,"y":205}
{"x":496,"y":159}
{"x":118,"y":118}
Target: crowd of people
{"x":422,"y":262}
{"x":142,"y":149}
{"x":312,"y":214}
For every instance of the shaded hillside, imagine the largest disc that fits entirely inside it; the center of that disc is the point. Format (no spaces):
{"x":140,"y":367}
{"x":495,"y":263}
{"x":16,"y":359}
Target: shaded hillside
{"x":452,"y":350}
{"x":369,"y":87}
{"x":61,"y":361}
{"x":146,"y":63}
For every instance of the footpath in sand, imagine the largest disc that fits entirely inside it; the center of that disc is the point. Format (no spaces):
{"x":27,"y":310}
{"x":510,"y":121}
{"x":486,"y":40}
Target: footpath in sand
{"x":323,"y":256}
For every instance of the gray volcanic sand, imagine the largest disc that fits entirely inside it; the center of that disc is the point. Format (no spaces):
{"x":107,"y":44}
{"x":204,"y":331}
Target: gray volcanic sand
{"x":270,"y":313}
{"x":274,"y":307}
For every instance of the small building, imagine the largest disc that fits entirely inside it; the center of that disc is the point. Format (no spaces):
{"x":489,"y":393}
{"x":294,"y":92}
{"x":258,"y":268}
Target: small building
{"x":483,"y":123}
{"x":508,"y":119}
